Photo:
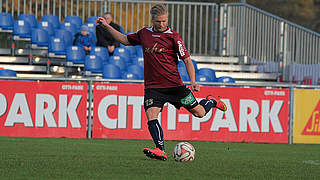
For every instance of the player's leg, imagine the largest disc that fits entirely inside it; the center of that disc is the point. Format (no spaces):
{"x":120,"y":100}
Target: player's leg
{"x":154,"y":127}
{"x":153,"y":104}
{"x":200,"y":109}
{"x":205,"y":105}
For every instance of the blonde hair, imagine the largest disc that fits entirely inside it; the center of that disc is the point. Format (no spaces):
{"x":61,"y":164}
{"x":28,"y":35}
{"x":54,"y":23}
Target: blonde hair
{"x":158,"y":9}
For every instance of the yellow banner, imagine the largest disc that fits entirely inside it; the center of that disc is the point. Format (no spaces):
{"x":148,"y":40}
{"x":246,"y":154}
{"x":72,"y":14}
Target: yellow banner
{"x":306,"y":121}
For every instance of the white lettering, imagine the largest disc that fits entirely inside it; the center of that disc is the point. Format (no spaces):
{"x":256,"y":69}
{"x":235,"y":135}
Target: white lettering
{"x":247,"y":118}
{"x":172,"y":114}
{"x":197,"y":121}
{"x":72,"y":87}
{"x":3,"y":104}
{"x":69,"y":110}
{"x":45,"y":113}
{"x":122,"y":112}
{"x":137,"y":103}
{"x":229,"y":122}
{"x":19,"y":102}
{"x":181,"y":49}
{"x":104,"y":104}
{"x":103,"y":87}
{"x":272,"y":116}
{"x":274,"y":93}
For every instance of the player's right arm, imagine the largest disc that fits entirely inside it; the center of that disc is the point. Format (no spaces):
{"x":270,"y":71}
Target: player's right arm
{"x":116,"y":34}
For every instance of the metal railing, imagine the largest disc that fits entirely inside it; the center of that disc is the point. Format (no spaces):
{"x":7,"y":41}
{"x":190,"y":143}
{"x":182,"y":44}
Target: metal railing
{"x":244,"y":30}
{"x":197,"y":23}
{"x":249,"y":31}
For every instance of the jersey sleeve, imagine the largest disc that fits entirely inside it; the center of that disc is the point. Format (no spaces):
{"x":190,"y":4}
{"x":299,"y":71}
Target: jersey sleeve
{"x":134,"y":39}
{"x":180,"y":47}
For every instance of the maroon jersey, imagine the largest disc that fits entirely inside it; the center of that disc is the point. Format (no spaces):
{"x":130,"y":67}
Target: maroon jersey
{"x":160,"y":52}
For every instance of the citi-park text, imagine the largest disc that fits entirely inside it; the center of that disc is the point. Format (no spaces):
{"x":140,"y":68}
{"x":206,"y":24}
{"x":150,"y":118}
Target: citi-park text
{"x":43,"y":109}
{"x":250,"y":117}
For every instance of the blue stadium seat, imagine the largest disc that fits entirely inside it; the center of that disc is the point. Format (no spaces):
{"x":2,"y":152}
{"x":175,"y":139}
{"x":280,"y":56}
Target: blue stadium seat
{"x":139,"y":51}
{"x":40,"y":37}
{"x":76,"y":20}
{"x":6,"y":21}
{"x":93,"y":63}
{"x":91,"y":27}
{"x":138,"y":61}
{"x":53,"y":19}
{"x":226,"y":79}
{"x":65,"y":35}
{"x":136,"y":69}
{"x":124,"y":53}
{"x":92,"y":31}
{"x":208,"y":72}
{"x":202,"y":78}
{"x":8,"y":72}
{"x":111,"y":71}
{"x":182,"y":69}
{"x":102,"y":52}
{"x":75,"y":55}
{"x":30,"y":18}
{"x":46,"y":26}
{"x":185,"y":77}
{"x":195,"y":65}
{"x":22,"y":29}
{"x":92,"y":19}
{"x":118,"y":61}
{"x":132,"y":51}
{"x":57,"y":46}
{"x":69,"y":27}
{"x":130,"y":76}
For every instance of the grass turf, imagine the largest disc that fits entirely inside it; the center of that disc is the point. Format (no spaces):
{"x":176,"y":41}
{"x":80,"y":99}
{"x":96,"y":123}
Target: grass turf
{"x":51,"y":158}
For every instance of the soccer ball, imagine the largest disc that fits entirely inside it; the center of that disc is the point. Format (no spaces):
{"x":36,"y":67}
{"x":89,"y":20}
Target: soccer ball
{"x":183,"y":151}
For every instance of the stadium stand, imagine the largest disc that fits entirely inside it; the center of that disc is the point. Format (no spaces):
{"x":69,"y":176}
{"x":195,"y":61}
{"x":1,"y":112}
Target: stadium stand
{"x":57,"y":47}
{"x":6,"y":21}
{"x":130,"y":76}
{"x":65,"y":35}
{"x":226,"y":79}
{"x":47,"y":26}
{"x":60,"y":53}
{"x":21,"y":30}
{"x":202,"y":78}
{"x":124,"y":53}
{"x":54,"y":20}
{"x":102,"y":52}
{"x":69,"y":27}
{"x":93,"y":63}
{"x":8,"y":72}
{"x":118,"y":61}
{"x":111,"y":71}
{"x":30,"y":18}
{"x":76,"y":20}
{"x":75,"y":55}
{"x":138,"y":61}
{"x":210,"y":73}
{"x":92,"y":19}
{"x":137,"y":70}
{"x":40,"y":37}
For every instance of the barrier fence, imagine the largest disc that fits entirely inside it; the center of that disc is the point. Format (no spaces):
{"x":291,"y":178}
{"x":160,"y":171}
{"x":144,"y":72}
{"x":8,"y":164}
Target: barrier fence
{"x":280,"y":113}
{"x":197,"y":23}
{"x":239,"y":29}
{"x":246,"y":30}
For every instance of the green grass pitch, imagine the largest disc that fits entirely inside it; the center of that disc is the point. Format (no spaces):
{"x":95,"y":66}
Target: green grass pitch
{"x":52,"y":158}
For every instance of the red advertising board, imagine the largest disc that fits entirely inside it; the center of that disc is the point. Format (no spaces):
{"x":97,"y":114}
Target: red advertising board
{"x":43,"y":109}
{"x":253,"y":115}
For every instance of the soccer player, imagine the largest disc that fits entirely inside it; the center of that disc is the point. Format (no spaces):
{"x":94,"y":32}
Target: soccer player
{"x":162,"y":81}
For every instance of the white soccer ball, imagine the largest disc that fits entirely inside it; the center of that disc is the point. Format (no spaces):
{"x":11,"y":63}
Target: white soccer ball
{"x":184,"y":152}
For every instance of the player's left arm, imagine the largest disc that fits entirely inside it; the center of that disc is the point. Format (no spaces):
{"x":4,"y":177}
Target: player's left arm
{"x":191,"y":72}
